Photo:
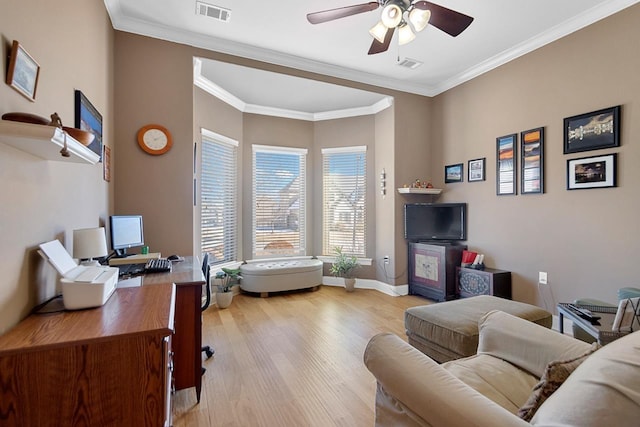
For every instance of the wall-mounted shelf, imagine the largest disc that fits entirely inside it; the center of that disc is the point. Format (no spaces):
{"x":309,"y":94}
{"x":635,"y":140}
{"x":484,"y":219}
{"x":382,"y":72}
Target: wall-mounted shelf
{"x":44,"y":142}
{"x":431,"y":191}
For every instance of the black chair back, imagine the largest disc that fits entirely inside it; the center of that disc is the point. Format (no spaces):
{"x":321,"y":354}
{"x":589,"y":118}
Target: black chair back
{"x":206,"y":271}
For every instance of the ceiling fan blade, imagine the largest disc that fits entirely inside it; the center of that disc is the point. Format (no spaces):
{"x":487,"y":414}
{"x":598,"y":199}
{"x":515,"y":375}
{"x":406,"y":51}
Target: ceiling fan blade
{"x":341,"y":12}
{"x":377,"y":47}
{"x":447,"y":20}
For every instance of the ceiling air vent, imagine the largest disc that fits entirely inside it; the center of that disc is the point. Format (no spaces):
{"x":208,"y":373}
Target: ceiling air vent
{"x":410,"y":63}
{"x":211,"y":11}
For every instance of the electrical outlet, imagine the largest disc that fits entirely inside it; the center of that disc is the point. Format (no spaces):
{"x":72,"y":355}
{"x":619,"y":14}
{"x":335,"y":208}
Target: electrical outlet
{"x":386,"y":259}
{"x":542,"y":277}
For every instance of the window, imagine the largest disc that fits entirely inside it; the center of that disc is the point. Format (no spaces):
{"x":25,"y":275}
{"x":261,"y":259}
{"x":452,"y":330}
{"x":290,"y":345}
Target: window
{"x":218,"y":202}
{"x":279,"y":201}
{"x":344,"y":192}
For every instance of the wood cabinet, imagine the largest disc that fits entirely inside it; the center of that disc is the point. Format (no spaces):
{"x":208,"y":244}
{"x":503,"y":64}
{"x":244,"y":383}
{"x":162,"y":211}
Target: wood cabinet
{"x":432,"y":269}
{"x":107,"y":366}
{"x":489,"y":281}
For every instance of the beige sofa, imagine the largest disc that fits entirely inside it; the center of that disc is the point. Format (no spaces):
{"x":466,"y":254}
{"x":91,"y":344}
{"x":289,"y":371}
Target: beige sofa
{"x":487,"y":389}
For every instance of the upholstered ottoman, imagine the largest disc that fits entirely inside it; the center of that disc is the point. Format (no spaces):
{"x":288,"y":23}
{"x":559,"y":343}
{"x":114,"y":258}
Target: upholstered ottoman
{"x":280,"y":275}
{"x":449,"y":330}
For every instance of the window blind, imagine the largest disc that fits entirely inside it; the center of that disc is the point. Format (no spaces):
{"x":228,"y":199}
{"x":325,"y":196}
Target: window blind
{"x":279,"y":201}
{"x":218,"y":201}
{"x":344,"y":192}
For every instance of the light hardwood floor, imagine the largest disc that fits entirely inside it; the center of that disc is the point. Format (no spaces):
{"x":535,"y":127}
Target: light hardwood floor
{"x":292,"y":359}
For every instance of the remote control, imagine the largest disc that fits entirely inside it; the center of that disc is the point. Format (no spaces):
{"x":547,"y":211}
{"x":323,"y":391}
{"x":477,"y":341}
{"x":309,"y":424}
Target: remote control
{"x":584,"y":313}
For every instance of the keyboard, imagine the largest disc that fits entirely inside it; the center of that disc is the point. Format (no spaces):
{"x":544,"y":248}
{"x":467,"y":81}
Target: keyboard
{"x":157,"y":265}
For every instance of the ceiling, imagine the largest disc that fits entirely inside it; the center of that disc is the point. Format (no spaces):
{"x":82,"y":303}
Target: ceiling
{"x":278,"y":32}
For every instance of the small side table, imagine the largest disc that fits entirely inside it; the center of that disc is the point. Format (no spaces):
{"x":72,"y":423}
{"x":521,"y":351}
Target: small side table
{"x":600,"y":330}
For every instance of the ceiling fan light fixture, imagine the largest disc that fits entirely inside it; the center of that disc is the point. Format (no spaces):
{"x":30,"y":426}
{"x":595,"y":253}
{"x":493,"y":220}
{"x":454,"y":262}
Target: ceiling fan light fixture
{"x":419,"y":18}
{"x":391,"y":15}
{"x":405,"y":35}
{"x":379,"y":31}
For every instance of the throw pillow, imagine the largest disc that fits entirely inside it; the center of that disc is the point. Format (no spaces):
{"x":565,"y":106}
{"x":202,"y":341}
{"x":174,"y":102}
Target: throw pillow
{"x":554,"y":375}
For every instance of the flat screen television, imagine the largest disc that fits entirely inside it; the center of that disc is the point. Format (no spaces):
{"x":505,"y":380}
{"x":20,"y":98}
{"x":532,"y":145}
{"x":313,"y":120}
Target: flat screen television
{"x":126,"y":232}
{"x":435,"y":221}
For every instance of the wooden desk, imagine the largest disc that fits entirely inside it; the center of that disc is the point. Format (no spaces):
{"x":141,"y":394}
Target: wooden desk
{"x":104,"y":366}
{"x":187,"y":338}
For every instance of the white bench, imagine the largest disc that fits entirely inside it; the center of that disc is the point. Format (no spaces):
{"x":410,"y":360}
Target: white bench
{"x":280,"y":275}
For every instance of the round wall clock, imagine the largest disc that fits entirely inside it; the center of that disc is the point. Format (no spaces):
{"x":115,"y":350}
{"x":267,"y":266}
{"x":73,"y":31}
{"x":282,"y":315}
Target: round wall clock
{"x":154,"y":139}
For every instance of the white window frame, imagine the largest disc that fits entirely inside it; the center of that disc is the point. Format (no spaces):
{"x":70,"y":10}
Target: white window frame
{"x":280,"y":244}
{"x":228,"y":217}
{"x":329,"y":212}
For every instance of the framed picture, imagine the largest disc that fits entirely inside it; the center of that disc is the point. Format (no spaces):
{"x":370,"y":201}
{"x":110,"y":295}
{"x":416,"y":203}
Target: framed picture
{"x":592,"y":172}
{"x":23,"y":72}
{"x":532,"y":161}
{"x":89,"y":119}
{"x":476,"y":170}
{"x":106,"y":164}
{"x":506,"y":149}
{"x":592,"y":131}
{"x":454,"y":173}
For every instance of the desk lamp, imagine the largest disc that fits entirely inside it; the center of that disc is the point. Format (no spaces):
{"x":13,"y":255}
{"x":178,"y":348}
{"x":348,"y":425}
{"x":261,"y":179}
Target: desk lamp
{"x":89,"y":243}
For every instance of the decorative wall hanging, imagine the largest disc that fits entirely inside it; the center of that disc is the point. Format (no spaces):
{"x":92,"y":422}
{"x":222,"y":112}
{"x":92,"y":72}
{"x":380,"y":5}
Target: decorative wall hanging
{"x":506,"y":148}
{"x":592,"y":172}
{"x":23,"y":72}
{"x":592,"y":131}
{"x":476,"y":170}
{"x":454,"y":173}
{"x":89,"y":119}
{"x":532,"y":161}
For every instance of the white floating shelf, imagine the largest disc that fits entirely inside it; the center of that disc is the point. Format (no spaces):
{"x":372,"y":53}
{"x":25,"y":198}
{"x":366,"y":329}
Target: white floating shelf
{"x":44,"y":142}
{"x":431,"y":191}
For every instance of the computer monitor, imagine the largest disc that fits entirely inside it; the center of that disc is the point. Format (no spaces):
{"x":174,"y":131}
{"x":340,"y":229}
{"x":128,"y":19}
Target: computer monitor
{"x":126,"y":232}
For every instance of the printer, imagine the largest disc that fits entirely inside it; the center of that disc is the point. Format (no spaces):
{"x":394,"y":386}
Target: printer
{"x":82,"y":286}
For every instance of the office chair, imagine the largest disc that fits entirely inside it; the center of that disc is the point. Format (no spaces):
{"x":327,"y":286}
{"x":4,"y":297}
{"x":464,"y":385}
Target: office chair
{"x":206,"y":270}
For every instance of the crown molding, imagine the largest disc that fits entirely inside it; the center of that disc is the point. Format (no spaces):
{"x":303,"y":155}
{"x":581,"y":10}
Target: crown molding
{"x":135,"y":26}
{"x":225,"y":96}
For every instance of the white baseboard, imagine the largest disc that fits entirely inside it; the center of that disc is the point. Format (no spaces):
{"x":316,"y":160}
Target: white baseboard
{"x":385,"y":288}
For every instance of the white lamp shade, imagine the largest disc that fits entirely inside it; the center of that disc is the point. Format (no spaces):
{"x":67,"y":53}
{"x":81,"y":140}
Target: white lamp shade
{"x":89,"y":243}
{"x":391,"y":15}
{"x":379,"y":31}
{"x":405,"y":35}
{"x":419,"y":18}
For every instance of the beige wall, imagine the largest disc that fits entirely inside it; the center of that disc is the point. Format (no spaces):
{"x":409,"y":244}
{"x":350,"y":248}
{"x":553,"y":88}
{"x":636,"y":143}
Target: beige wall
{"x":584,"y":239}
{"x":42,"y":200}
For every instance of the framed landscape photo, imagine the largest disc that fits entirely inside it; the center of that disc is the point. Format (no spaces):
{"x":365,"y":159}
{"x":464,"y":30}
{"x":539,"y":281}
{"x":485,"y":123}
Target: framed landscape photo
{"x":506,"y":148}
{"x":23,"y":72}
{"x":592,"y":131}
{"x":476,"y":170}
{"x":454,"y":173}
{"x":89,"y":119}
{"x":532,"y":161}
{"x":592,"y":172}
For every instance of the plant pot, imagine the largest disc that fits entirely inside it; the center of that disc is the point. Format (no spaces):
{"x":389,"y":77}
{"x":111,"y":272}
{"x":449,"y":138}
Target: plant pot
{"x":223,"y":299}
{"x":349,"y":284}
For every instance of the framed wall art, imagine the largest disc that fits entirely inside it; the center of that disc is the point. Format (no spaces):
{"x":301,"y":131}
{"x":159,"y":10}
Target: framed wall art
{"x":506,"y":148}
{"x":454,"y":173}
{"x":476,"y":169}
{"x":592,"y":172}
{"x":532,"y":161}
{"x":89,"y":119}
{"x":592,"y":131}
{"x":106,"y":164}
{"x":23,"y":72}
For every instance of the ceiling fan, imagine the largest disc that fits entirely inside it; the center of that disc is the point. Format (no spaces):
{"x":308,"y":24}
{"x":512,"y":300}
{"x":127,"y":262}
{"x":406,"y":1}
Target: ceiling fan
{"x":400,"y":14}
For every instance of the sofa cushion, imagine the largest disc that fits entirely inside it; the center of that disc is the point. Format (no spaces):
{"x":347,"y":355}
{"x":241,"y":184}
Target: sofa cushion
{"x":500,"y":381}
{"x":603,"y":391}
{"x":554,"y":376}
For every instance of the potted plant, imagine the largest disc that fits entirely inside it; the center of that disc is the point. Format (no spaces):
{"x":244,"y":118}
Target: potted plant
{"x":343,"y":266}
{"x":225,"y":280}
